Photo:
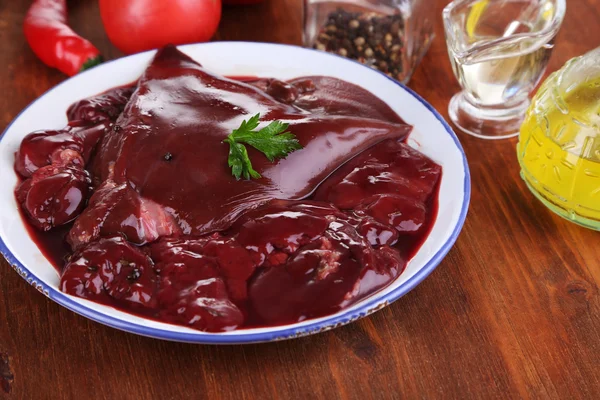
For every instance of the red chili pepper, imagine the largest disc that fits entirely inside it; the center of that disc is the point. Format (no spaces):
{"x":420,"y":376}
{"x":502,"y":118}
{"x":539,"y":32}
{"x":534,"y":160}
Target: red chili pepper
{"x":54,"y":42}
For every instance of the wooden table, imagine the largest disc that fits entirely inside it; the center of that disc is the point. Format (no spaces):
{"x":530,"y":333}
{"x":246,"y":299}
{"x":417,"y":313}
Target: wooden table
{"x":512,"y":312}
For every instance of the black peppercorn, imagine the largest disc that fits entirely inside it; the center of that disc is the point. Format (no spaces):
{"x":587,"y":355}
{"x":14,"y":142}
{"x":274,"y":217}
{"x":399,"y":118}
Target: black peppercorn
{"x":134,"y":275}
{"x":371,"y":38}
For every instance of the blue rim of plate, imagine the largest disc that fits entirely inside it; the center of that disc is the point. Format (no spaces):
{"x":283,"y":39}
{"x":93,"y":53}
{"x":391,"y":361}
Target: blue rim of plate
{"x":371,"y":305}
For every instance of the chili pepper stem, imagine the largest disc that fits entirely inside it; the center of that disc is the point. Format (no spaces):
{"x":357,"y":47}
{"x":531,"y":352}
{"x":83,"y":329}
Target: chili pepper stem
{"x":91,"y":63}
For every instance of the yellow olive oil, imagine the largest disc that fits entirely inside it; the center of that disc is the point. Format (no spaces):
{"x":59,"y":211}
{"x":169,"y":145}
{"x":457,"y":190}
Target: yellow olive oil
{"x":559,"y":149}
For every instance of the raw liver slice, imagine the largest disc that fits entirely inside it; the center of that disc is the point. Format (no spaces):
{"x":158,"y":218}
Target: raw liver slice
{"x":52,"y":162}
{"x":119,"y":209}
{"x":111,"y":271}
{"x":183,"y":110}
{"x":55,"y":194}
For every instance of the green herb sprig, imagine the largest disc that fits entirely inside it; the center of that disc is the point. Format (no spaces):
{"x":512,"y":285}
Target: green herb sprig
{"x":274,"y":141}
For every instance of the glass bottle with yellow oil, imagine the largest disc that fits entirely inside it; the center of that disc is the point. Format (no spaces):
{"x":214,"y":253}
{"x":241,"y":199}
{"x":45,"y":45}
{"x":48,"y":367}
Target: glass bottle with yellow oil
{"x":559,"y":142}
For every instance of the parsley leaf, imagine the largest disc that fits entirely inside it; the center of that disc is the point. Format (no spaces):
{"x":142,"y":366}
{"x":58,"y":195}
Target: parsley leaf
{"x":274,"y":141}
{"x":239,"y":161}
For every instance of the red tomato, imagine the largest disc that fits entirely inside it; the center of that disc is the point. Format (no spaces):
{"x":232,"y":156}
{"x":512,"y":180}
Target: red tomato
{"x":138,"y":25}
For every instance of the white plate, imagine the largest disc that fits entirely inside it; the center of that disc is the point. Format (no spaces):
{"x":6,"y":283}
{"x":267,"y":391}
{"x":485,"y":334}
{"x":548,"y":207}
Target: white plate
{"x":432,"y":136}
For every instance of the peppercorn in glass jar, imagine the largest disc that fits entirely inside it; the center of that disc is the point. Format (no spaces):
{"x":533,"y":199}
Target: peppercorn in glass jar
{"x":388,"y":35}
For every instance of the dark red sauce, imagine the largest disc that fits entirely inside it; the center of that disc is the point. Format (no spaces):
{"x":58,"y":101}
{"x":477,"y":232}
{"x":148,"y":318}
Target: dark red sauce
{"x":136,"y":207}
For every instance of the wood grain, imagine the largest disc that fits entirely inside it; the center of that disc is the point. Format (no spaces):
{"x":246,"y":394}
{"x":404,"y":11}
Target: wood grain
{"x":512,"y":312}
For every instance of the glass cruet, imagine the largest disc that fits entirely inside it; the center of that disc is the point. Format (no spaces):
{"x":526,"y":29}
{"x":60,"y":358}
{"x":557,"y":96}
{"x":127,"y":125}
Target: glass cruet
{"x":559,"y":142}
{"x":499,"y":50}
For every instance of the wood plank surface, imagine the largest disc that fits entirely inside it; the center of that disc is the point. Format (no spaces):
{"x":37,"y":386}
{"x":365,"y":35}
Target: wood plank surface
{"x":512,"y":312}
